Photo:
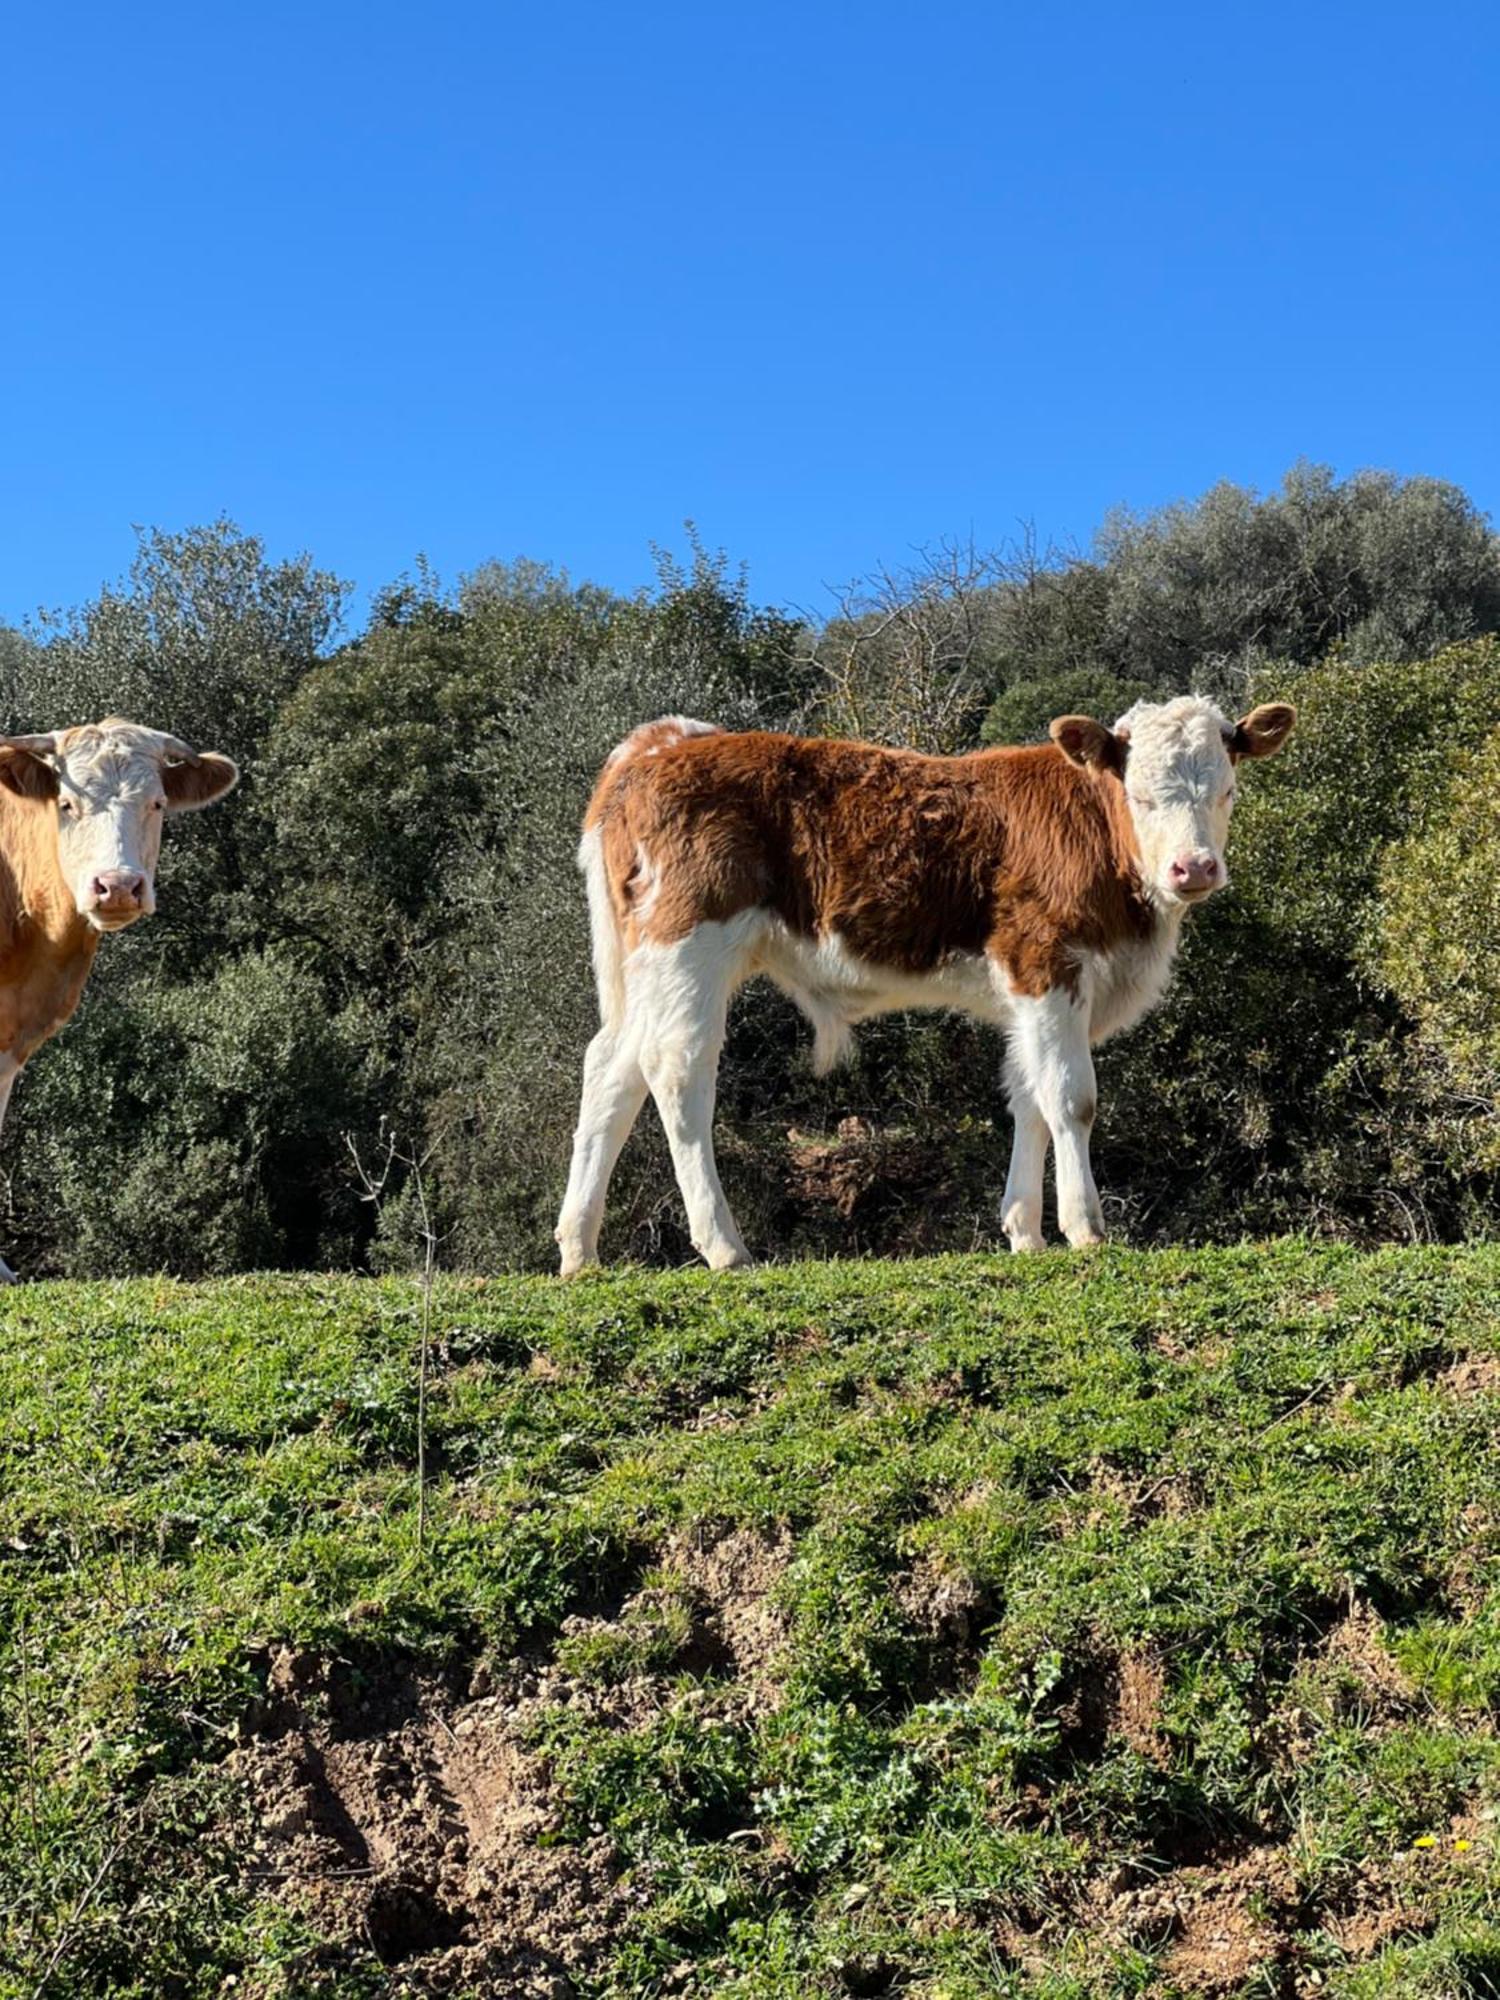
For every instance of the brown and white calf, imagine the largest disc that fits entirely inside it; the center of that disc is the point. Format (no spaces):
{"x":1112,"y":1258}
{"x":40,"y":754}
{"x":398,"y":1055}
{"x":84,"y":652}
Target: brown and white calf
{"x":1041,"y":889}
{"x":81,"y":814}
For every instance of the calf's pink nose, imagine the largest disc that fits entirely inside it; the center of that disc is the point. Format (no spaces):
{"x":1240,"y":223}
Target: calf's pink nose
{"x":1195,"y":871}
{"x":118,"y":886}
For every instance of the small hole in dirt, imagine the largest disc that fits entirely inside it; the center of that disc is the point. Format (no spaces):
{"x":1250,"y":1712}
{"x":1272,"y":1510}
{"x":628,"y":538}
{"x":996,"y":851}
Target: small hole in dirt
{"x":404,"y":1920}
{"x":870,"y":1978}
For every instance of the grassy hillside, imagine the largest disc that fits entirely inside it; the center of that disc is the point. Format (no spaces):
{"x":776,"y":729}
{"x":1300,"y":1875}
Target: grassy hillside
{"x":1098,"y":1626}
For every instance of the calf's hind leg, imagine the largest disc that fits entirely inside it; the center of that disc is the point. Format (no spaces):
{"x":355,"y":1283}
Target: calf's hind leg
{"x":682,"y":991}
{"x":613,"y":1092}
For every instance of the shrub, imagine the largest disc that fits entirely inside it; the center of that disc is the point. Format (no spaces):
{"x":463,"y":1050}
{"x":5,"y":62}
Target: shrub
{"x":1023,"y":712}
{"x":1440,"y":941}
{"x":198,"y":1127}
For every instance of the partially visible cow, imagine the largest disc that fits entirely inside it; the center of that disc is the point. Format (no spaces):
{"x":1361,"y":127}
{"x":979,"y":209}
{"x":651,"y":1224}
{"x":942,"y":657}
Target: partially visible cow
{"x":81,"y":814}
{"x":1041,"y":889}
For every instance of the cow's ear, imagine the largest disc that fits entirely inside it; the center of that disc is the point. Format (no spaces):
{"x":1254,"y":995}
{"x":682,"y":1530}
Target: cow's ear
{"x":189,"y":786}
{"x":1084,"y":741}
{"x":27,"y":776}
{"x":1263,"y":730}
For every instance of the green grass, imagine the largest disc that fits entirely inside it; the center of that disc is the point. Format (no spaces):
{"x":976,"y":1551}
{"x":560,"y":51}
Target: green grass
{"x":1093,"y":1573}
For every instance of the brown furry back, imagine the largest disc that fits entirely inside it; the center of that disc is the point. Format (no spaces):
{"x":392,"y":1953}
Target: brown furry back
{"x":906,"y":858}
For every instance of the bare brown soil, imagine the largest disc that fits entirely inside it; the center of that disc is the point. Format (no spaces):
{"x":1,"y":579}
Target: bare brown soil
{"x":735,"y":1581}
{"x":401,"y":1821}
{"x":404,"y":1814}
{"x":1475,"y":1375}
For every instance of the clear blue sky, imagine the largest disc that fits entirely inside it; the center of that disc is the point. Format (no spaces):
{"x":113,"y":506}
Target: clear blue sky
{"x":483,"y":280}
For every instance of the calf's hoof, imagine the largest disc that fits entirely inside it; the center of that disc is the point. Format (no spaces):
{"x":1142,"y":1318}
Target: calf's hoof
{"x":1024,"y":1242}
{"x":728,"y":1257}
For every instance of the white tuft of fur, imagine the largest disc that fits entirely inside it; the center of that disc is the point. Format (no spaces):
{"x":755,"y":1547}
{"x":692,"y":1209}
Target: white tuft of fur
{"x":604,"y":931}
{"x":833,"y":1036}
{"x":660,"y":735}
{"x":1172,"y":722}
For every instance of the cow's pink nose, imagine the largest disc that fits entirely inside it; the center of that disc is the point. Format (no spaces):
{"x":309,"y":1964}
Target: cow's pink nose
{"x":1195,"y":871}
{"x":118,"y":888}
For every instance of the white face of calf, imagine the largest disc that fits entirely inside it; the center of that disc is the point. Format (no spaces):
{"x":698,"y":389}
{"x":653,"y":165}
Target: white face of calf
{"x":111,"y":785}
{"x":1176,"y":761}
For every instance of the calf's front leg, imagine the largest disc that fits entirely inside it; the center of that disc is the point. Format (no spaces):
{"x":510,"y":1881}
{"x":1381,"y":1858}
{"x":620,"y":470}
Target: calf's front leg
{"x":1021,"y":1210}
{"x":1050,"y":1057}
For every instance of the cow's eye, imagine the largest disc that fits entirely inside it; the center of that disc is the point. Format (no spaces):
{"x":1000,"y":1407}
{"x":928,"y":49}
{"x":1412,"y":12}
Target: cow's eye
{"x":65,"y":805}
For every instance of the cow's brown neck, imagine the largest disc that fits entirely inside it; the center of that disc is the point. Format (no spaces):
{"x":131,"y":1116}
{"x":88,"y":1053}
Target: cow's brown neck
{"x":46,"y":947}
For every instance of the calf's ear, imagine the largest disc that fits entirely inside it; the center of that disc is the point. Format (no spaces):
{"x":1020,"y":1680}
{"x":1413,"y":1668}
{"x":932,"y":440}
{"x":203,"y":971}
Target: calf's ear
{"x":27,"y":776}
{"x":1084,"y":741}
{"x":1263,"y":730}
{"x":206,"y":778}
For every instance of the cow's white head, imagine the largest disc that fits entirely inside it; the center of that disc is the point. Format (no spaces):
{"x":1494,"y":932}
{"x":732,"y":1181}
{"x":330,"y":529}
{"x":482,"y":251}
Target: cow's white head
{"x":1176,"y":761}
{"x":110,"y":785}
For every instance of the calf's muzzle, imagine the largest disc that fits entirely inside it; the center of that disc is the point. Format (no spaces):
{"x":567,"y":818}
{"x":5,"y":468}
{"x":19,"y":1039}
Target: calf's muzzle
{"x":118,"y":892}
{"x":1194,"y":874}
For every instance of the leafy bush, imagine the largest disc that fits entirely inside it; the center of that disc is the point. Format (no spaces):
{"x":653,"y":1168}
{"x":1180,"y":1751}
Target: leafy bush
{"x":1023,"y":712}
{"x":197,"y":1127}
{"x":1440,"y":939}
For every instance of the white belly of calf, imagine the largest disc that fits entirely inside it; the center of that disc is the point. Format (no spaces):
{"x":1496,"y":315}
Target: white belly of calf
{"x":836,"y":990}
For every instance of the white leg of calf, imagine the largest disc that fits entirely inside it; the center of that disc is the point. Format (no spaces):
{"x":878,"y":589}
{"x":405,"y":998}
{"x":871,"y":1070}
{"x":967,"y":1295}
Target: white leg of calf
{"x":683,"y":992}
{"x":10,"y":1069}
{"x":1021,"y":1211}
{"x":613,"y":1093}
{"x":1050,"y":1055}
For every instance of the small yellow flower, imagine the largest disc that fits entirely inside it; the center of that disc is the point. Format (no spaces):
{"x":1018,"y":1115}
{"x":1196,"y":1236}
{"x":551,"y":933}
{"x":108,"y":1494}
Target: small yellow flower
{"x":1425,"y":1840}
{"x":1463,"y":1846}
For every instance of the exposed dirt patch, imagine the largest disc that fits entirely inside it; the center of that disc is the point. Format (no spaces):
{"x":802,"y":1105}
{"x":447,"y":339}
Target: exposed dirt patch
{"x":1475,"y":1375}
{"x":875,"y":1182}
{"x":946,"y":1605}
{"x":1217,"y":1925}
{"x":1171,"y":1346}
{"x":1115,"y":1696}
{"x":1356,"y":1649}
{"x":1138,"y":1692}
{"x":1142,"y":1497}
{"x":735,"y":1580}
{"x":1470,"y":1579}
{"x":1226,"y":1922}
{"x":1212,"y":1927}
{"x":1351,"y":1673}
{"x":404,"y":1821}
{"x":1379,"y":1913}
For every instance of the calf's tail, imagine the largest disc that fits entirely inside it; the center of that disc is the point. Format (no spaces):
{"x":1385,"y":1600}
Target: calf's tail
{"x":604,"y":918}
